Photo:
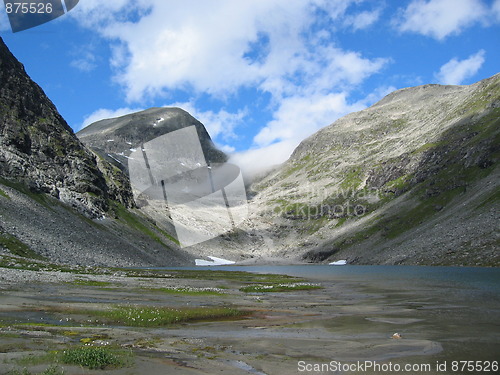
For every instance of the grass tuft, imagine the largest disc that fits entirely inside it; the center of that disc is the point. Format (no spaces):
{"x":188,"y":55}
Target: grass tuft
{"x":143,"y":316}
{"x":17,"y":247}
{"x":4,"y":194}
{"x":278,"y":287}
{"x":51,"y":370}
{"x":95,"y":358}
{"x":189,"y":291}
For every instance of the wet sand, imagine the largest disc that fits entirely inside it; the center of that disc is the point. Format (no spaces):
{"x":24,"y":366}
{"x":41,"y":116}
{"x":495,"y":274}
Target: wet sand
{"x":345,"y":321}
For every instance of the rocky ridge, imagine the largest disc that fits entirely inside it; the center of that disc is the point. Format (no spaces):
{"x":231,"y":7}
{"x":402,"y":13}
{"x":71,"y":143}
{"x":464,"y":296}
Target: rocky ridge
{"x":59,"y":200}
{"x":411,"y":180}
{"x":39,"y":149}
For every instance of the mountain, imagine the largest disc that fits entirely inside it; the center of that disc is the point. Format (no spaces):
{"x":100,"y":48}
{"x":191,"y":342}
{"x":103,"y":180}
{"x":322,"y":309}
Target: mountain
{"x":115,"y":139}
{"x":39,"y":149}
{"x":59,"y":200}
{"x":414,"y":179}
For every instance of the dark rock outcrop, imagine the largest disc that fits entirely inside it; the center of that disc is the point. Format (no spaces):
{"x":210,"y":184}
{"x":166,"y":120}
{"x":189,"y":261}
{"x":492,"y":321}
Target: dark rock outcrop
{"x":39,"y":149}
{"x":60,"y":201}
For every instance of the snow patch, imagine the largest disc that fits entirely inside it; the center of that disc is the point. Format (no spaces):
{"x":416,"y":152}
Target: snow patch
{"x":115,"y":159}
{"x":338,"y":263}
{"x":214,"y":262}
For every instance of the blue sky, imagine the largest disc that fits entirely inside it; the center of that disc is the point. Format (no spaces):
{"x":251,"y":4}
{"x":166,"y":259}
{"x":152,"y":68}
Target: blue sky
{"x":260,"y":74}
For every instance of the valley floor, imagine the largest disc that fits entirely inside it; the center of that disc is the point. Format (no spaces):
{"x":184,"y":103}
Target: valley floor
{"x":276,"y":324}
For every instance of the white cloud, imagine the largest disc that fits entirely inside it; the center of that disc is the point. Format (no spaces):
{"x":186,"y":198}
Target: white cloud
{"x":454,"y":72}
{"x":299,"y":117}
{"x":104,"y":113}
{"x":207,"y":46}
{"x":215,"y":48}
{"x":296,"y":119}
{"x":85,"y":63}
{"x":441,"y":18}
{"x":363,"y":20}
{"x":226,"y":148}
{"x":220,"y":124}
{"x":260,"y":160}
{"x":4,"y":22}
{"x":496,"y":10}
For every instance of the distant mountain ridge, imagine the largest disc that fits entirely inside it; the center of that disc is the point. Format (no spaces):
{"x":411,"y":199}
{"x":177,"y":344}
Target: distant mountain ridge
{"x":418,"y":170}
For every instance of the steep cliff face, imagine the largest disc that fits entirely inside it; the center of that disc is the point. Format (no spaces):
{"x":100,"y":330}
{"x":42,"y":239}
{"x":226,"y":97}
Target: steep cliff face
{"x":60,"y":201}
{"x":39,"y":149}
{"x":412,"y":179}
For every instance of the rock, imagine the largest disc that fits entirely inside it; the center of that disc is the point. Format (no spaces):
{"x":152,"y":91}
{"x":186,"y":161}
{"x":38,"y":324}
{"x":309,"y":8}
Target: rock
{"x":40,"y":150}
{"x":114,"y":139}
{"x":405,"y":179}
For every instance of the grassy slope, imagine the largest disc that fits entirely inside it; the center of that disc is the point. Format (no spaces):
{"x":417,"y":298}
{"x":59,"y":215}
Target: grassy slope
{"x":422,"y":184}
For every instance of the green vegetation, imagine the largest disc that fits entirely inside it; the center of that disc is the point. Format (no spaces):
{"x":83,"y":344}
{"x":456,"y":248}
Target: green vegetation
{"x":237,"y":276}
{"x":291,"y":170}
{"x":399,"y":123}
{"x":396,"y":225}
{"x":427,"y":146}
{"x":401,"y":183}
{"x":17,"y":247}
{"x":490,"y":199}
{"x":39,"y":265}
{"x":93,"y":357}
{"x":314,"y":225}
{"x":133,"y":221}
{"x":298,"y":165}
{"x":352,"y":179}
{"x":279,"y":287}
{"x":33,"y":360}
{"x":37,"y":197}
{"x":4,"y":194}
{"x":145,"y":316}
{"x":189,"y":291}
{"x":480,"y":101}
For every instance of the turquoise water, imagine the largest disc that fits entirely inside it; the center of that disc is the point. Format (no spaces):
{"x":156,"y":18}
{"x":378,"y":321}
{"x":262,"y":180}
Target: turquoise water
{"x":456,"y":308}
{"x":467,"y":278}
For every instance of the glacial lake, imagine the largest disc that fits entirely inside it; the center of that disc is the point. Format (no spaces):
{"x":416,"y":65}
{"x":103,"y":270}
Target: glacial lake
{"x":441,"y":315}
{"x":456,"y":309}
{"x":468,"y":280}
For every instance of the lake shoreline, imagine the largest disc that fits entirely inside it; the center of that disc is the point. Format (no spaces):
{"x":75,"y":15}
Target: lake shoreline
{"x":347,"y":319}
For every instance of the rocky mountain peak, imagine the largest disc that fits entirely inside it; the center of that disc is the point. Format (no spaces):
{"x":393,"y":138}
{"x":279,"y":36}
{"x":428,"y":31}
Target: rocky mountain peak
{"x":385,"y":184}
{"x":40,"y":150}
{"x":116,"y":138}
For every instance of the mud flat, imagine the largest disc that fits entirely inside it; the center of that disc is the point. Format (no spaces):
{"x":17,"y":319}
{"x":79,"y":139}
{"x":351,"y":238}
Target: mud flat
{"x":247,"y":323}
